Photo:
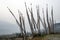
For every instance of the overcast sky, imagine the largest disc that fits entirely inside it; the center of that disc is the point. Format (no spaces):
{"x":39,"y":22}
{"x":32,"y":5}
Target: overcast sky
{"x":14,"y":5}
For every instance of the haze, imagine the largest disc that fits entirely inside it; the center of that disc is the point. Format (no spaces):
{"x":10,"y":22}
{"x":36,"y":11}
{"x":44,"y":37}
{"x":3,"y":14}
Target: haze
{"x":14,"y":5}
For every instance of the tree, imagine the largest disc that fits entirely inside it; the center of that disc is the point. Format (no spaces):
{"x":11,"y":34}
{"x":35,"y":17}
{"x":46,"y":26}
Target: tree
{"x":52,"y":19}
{"x":38,"y":19}
{"x":44,"y":21}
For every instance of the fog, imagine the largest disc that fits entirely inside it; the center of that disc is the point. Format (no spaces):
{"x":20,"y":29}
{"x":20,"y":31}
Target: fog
{"x":14,"y":5}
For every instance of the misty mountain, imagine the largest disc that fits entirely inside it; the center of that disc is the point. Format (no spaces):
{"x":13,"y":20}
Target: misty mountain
{"x":8,"y":28}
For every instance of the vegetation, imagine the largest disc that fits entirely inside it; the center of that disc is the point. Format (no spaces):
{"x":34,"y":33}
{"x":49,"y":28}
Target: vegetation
{"x":33,"y":24}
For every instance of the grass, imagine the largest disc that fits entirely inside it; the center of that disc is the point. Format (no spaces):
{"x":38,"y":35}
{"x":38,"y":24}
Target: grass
{"x":43,"y":37}
{"x":47,"y":37}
